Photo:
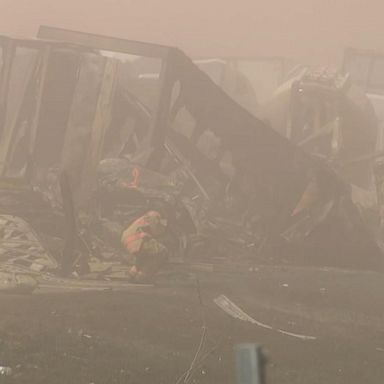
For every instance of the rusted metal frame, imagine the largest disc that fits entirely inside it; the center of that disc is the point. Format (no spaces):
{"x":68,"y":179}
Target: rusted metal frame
{"x":8,"y":127}
{"x":101,"y":119}
{"x":6,"y":75}
{"x":159,"y":122}
{"x":43,"y":74}
{"x":8,"y":48}
{"x":161,"y":118}
{"x":71,"y":134}
{"x":43,"y":64}
{"x":8,"y":52}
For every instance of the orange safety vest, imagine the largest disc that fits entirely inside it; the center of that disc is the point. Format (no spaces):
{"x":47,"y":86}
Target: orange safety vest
{"x":133,"y":237}
{"x":133,"y":242}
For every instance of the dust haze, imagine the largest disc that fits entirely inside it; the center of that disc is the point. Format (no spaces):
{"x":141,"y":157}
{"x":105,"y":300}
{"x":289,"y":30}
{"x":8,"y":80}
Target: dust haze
{"x":312,"y":30}
{"x":191,"y":191}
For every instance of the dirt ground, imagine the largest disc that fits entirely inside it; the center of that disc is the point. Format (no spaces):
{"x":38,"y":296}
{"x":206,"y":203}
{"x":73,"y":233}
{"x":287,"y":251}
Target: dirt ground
{"x":151,"y":335}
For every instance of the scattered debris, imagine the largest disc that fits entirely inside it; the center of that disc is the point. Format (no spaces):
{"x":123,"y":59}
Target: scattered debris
{"x":234,"y":311}
{"x":140,"y":128}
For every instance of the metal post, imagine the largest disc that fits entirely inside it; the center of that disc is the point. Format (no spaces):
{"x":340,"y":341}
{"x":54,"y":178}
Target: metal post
{"x":250,"y":364}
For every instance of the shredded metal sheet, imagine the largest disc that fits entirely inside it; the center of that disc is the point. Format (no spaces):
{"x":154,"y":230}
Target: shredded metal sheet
{"x":234,"y":311}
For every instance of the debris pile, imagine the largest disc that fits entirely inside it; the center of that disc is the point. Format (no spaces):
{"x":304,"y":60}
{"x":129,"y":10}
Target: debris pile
{"x":117,"y":157}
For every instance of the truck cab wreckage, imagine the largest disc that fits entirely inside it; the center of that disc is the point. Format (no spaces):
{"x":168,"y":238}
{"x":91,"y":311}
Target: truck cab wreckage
{"x":91,"y":141}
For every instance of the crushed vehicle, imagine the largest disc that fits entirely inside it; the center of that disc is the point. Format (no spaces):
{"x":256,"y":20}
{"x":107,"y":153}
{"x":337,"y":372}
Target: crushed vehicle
{"x":89,"y":146}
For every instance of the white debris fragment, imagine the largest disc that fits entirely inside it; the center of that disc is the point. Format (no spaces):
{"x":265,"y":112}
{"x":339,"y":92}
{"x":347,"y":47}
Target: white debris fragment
{"x":234,"y":311}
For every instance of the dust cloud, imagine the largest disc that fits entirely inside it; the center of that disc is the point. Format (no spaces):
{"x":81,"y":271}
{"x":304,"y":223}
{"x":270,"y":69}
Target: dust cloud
{"x":309,"y":30}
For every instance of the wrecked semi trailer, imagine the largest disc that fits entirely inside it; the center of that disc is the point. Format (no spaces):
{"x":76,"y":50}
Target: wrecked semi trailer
{"x":212,"y":168}
{"x":240,"y":169}
{"x":77,"y":108}
{"x":239,"y":166}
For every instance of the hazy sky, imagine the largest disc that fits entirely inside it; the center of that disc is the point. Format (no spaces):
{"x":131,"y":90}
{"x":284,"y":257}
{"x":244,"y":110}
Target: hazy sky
{"x":313,"y":30}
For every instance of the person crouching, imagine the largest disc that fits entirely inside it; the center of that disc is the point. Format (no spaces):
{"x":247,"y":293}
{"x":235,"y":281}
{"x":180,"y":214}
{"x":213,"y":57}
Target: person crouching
{"x":142,"y":241}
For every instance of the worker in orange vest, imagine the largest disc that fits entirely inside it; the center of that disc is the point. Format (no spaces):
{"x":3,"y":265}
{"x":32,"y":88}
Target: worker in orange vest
{"x":141,"y":240}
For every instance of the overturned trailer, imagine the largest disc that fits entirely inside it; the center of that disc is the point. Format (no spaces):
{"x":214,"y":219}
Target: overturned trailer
{"x":88,"y":143}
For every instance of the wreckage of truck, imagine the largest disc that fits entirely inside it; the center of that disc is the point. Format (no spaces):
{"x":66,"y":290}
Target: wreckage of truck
{"x":91,"y":140}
